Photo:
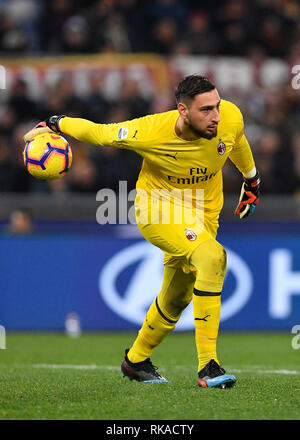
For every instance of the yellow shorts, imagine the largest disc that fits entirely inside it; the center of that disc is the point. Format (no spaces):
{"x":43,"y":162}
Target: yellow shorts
{"x":178,"y":241}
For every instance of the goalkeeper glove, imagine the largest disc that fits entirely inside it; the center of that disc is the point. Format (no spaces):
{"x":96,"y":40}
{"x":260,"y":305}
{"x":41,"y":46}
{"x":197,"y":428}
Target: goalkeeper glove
{"x":249,"y":196}
{"x":49,"y":125}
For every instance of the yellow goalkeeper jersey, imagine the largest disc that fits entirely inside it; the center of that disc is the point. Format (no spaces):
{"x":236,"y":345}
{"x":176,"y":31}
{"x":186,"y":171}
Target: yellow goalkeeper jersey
{"x":170,"y":162}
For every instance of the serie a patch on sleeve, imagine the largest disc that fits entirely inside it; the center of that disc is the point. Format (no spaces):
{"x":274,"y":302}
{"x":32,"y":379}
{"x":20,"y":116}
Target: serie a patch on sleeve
{"x":123,"y":133}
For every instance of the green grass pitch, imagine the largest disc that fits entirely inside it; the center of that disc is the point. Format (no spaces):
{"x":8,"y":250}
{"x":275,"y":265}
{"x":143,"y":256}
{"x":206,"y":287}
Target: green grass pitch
{"x":50,"y":376}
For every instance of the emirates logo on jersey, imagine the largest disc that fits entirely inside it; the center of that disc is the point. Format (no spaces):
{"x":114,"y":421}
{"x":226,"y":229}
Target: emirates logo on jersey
{"x":221,"y":148}
{"x":190,"y":235}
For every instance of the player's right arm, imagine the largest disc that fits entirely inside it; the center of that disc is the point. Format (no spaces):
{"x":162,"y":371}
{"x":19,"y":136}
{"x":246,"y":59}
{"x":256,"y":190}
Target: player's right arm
{"x":81,"y":129}
{"x":121,"y":135}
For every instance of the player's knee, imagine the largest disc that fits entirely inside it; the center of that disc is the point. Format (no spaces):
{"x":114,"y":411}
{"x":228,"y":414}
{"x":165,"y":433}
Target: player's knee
{"x":220,"y":262}
{"x":210,"y":255}
{"x":179,"y":303}
{"x":175,"y":306}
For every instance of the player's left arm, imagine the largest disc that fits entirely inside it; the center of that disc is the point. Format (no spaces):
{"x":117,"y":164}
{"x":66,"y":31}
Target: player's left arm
{"x":242,"y":157}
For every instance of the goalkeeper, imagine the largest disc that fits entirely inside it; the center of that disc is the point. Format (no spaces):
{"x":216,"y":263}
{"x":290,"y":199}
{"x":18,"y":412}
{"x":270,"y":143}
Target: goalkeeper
{"x":184,"y":149}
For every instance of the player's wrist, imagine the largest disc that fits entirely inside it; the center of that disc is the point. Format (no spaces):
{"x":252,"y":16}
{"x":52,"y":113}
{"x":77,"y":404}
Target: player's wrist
{"x":53,"y":122}
{"x":253,"y":183}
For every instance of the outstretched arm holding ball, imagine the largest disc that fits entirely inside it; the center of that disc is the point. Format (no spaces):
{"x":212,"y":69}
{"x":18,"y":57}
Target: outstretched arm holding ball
{"x":79,"y":128}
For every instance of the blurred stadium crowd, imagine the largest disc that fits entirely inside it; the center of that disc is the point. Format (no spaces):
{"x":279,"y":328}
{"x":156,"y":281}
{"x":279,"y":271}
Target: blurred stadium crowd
{"x":255,"y":30}
{"x":229,"y":27}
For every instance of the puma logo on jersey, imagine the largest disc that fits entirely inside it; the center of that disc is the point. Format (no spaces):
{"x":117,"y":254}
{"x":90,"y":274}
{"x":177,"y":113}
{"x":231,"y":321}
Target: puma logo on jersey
{"x":135,"y":133}
{"x":172,"y":155}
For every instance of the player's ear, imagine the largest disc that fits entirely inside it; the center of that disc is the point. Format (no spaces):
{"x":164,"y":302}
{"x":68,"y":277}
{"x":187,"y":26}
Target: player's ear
{"x":183,"y":109}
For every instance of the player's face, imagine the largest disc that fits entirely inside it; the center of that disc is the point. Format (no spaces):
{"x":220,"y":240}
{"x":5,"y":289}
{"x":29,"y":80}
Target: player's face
{"x":203,"y":114}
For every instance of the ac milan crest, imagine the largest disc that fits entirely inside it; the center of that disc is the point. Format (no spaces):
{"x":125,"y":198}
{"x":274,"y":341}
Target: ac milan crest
{"x":190,"y":235}
{"x":221,"y":148}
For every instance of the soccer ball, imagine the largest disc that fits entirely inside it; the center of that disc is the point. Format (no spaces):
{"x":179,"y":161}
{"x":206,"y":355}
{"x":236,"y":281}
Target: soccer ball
{"x":47,"y":156}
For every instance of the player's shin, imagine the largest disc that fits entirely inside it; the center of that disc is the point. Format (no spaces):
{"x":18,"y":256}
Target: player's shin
{"x":210,"y":260}
{"x":155,"y":328}
{"x":207,"y":307}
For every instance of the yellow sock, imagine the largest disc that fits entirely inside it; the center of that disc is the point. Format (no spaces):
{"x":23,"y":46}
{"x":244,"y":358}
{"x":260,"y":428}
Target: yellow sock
{"x":207,"y":307}
{"x":155,"y":328}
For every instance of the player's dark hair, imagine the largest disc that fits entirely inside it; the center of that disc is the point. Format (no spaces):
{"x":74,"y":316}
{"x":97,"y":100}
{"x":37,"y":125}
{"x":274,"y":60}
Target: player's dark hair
{"x":191,"y":86}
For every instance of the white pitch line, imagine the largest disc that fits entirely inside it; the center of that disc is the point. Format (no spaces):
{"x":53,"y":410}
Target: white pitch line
{"x":292,"y":372}
{"x":254,"y":370}
{"x":77,"y":367}
{"x":250,"y":369}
